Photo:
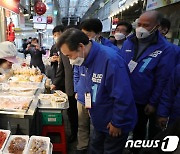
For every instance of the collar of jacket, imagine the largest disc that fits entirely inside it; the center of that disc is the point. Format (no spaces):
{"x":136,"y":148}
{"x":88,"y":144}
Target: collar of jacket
{"x":156,"y":44}
{"x":92,"y":54}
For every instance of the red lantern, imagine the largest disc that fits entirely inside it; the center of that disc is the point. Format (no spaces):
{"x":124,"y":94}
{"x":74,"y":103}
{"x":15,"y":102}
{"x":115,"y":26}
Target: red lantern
{"x":40,"y":8}
{"x":49,"y":19}
{"x":10,"y":32}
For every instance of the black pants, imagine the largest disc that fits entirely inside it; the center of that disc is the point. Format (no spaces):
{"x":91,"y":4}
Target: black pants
{"x":141,"y":131}
{"x":73,"y":114}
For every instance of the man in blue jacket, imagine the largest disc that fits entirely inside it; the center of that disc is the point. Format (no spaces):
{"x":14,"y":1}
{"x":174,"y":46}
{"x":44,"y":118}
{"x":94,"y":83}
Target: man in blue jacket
{"x":108,"y":92}
{"x":169,"y":106}
{"x":150,"y":59}
{"x":92,"y":28}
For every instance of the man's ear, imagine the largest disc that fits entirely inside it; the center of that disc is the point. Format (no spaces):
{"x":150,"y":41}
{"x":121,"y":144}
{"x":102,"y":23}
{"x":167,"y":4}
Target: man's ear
{"x":81,"y":45}
{"x":165,"y":30}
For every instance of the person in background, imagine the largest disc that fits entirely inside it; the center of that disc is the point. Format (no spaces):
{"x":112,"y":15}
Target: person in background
{"x":112,"y":39}
{"x":123,"y":29}
{"x":164,"y":28}
{"x":8,"y":54}
{"x":93,"y":28}
{"x":64,"y":76}
{"x":36,"y":53}
{"x":108,"y":91}
{"x":29,"y":40}
{"x":54,"y":52}
{"x":24,"y":45}
{"x":151,"y":60}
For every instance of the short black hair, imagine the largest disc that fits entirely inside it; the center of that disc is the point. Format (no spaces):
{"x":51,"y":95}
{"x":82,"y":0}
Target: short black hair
{"x":58,"y":28}
{"x":72,"y":37}
{"x":71,"y":26}
{"x":35,"y":39}
{"x":126,"y":24}
{"x":93,"y":24}
{"x":2,"y":61}
{"x":165,"y":23}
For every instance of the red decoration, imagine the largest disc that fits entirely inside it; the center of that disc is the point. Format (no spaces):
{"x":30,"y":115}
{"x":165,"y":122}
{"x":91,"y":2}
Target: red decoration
{"x":10,"y":32}
{"x":40,"y":8}
{"x":49,"y":19}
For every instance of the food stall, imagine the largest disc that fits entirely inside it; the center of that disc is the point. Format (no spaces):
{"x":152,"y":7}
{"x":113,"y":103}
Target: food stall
{"x":19,"y":99}
{"x":22,"y":101}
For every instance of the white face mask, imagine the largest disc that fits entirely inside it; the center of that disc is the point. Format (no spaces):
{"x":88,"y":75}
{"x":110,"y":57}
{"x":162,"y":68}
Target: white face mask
{"x":78,"y":61}
{"x":119,"y":36}
{"x":55,"y":39}
{"x":143,"y":33}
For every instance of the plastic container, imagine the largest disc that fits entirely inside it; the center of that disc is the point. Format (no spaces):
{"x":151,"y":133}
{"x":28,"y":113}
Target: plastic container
{"x":51,"y":118}
{"x":59,"y":100}
{"x":60,"y":105}
{"x":45,"y":98}
{"x":7,"y":132}
{"x":41,"y":140}
{"x":12,"y":137}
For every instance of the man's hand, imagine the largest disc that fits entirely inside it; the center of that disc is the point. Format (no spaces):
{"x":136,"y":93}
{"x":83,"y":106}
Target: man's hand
{"x":149,"y":109}
{"x":53,"y":87}
{"x":28,"y":46}
{"x":37,"y":47}
{"x":113,"y":131}
{"x":54,"y":58}
{"x":162,"y":122}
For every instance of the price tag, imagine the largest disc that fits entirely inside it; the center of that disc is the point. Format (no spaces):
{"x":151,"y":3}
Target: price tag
{"x":132,"y":65}
{"x":87,"y":100}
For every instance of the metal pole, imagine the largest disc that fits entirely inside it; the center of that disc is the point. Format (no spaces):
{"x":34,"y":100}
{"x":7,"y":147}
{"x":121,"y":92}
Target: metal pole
{"x":3,"y":25}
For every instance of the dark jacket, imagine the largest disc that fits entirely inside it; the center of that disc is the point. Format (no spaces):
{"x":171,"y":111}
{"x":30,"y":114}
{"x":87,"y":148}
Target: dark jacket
{"x":64,"y":75}
{"x":53,"y":52}
{"x":36,"y":58}
{"x":54,"y":65}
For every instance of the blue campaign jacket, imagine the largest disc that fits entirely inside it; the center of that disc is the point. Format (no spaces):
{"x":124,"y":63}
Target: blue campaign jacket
{"x":79,"y":73}
{"x":79,"y":83}
{"x":169,"y":105}
{"x":106,"y":42}
{"x":106,"y":78}
{"x":151,"y":73}
{"x":177,"y":52}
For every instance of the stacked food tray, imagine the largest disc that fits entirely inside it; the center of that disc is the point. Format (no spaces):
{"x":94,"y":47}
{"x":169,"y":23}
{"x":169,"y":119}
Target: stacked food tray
{"x":15,"y":103}
{"x":56,"y":100}
{"x":22,"y":144}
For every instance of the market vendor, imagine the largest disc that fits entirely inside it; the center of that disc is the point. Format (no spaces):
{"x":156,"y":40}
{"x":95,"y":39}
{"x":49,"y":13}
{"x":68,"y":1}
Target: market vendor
{"x":8,"y":54}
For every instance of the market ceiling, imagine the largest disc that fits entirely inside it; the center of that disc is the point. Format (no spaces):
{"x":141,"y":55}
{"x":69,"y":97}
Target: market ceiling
{"x":74,"y":7}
